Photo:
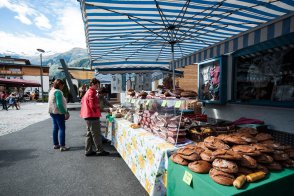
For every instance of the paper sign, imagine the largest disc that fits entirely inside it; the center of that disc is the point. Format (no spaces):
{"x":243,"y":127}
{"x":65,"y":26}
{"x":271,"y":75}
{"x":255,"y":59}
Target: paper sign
{"x":187,"y":178}
{"x":164,"y":103}
{"x":178,"y":104}
{"x":147,"y":103}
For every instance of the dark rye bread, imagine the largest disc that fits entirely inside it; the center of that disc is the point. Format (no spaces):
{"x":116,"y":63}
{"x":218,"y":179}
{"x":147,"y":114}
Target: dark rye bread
{"x":221,"y":177}
{"x":201,"y":166}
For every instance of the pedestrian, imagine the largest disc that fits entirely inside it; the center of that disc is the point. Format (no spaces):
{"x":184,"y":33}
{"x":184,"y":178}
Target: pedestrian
{"x":90,"y":111}
{"x":59,"y":114}
{"x":12,"y":101}
{"x":3,"y":97}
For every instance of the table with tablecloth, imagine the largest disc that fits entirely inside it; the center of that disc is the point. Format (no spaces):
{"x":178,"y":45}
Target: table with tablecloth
{"x":144,"y":153}
{"x":276,"y":183}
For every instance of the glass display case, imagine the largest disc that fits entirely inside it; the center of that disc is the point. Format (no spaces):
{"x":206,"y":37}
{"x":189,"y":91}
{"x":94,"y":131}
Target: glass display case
{"x":212,"y":80}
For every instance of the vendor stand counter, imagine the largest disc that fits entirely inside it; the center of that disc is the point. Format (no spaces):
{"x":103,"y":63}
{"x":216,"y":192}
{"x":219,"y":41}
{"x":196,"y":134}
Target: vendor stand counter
{"x":276,"y":183}
{"x":144,"y":153}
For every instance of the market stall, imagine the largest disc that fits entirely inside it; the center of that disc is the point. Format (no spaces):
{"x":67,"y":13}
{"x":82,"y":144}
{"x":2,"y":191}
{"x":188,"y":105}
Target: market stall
{"x":144,"y":153}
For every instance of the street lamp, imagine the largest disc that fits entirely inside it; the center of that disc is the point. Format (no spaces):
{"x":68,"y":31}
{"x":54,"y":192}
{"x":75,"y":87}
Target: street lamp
{"x":41,"y":72}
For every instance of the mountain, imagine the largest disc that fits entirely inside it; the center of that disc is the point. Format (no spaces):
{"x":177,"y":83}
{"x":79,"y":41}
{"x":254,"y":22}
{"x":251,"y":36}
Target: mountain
{"x":76,"y":57}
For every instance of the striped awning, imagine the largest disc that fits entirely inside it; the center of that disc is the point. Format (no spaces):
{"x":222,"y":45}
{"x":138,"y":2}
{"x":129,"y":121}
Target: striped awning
{"x":144,"y":31}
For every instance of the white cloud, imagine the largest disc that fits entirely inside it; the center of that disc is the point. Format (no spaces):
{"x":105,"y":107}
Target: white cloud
{"x":26,"y":13}
{"x":42,"y":22}
{"x":66,"y":33}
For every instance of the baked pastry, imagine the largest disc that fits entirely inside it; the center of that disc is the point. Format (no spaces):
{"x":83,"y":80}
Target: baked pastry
{"x":207,"y":156}
{"x":201,"y":167}
{"x":201,"y":145}
{"x":262,"y":148}
{"x":248,"y":130}
{"x":227,"y":154}
{"x":248,"y":161}
{"x":188,"y":154}
{"x":234,"y":139}
{"x":178,"y":159}
{"x":244,"y":171}
{"x":212,"y":142}
{"x":274,"y":166}
{"x":277,"y":156}
{"x":263,"y":136}
{"x":288,"y":163}
{"x":225,"y":165}
{"x":264,"y":158}
{"x":221,"y":177}
{"x":262,"y":168}
{"x":246,"y":149}
{"x":290,"y":152}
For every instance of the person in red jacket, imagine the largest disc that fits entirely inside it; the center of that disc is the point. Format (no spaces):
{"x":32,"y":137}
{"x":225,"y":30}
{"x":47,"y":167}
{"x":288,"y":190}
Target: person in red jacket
{"x":90,"y":111}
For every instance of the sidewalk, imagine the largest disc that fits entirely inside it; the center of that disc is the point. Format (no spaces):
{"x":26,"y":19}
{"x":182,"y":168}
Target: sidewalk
{"x":30,"y":166}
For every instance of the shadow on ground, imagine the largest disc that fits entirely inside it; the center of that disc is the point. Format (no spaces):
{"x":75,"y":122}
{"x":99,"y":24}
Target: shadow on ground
{"x":10,"y":157}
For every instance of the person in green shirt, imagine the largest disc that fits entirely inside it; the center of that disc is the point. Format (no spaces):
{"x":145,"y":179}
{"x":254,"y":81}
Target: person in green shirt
{"x":58,"y":111}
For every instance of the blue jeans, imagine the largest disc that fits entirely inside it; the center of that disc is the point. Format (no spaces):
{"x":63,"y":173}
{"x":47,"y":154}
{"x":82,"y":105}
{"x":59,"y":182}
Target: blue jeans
{"x":58,"y":127}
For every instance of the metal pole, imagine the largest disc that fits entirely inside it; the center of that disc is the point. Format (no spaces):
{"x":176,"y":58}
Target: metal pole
{"x":173,"y":67}
{"x":41,"y":73}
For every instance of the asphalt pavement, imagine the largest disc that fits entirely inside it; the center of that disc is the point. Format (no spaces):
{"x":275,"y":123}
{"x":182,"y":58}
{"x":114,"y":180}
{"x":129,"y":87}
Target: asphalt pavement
{"x":30,"y":166}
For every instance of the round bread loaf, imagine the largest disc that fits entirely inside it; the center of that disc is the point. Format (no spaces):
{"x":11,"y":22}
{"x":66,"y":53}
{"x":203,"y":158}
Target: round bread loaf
{"x":234,"y":139}
{"x":212,"y":142}
{"x":264,"y":158}
{"x":248,"y":130}
{"x":227,"y":154}
{"x":244,"y":171}
{"x":246,"y":149}
{"x":192,"y":157}
{"x":263,"y":148}
{"x":206,"y":155}
{"x":248,"y":161}
{"x":263,"y":136}
{"x":178,"y":159}
{"x":280,"y":156}
{"x":274,"y":166}
{"x":201,"y":167}
{"x":262,"y":168}
{"x":225,"y":166}
{"x":221,"y":177}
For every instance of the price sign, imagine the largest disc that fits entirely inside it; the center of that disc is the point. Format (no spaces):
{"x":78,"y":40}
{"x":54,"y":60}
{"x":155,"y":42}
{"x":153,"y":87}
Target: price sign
{"x":164,"y":103}
{"x":187,"y":178}
{"x":178,"y":104}
{"x":147,"y":103}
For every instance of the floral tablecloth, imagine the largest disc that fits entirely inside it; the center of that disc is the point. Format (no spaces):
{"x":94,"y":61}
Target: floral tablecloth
{"x":145,"y":154}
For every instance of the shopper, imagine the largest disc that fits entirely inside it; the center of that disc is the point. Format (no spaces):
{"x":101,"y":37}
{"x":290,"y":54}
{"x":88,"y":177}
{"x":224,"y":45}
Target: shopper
{"x":12,"y":101}
{"x":58,"y":111}
{"x":3,"y":97}
{"x":90,"y":111}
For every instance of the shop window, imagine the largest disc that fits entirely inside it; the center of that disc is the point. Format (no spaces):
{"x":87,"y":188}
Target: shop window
{"x":265,"y":77}
{"x":211,"y":81}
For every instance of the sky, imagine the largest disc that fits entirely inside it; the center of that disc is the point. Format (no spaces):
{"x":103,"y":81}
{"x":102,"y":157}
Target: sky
{"x":52,"y":25}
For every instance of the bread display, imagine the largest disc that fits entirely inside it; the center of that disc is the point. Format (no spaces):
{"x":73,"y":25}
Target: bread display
{"x":221,"y":177}
{"x":264,"y":158}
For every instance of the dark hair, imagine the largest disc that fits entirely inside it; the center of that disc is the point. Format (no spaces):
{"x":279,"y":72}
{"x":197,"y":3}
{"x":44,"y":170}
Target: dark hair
{"x":57,"y":83}
{"x":94,"y":81}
